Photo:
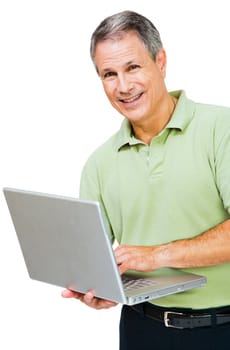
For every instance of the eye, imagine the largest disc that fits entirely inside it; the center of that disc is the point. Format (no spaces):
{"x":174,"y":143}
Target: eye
{"x":133,"y":67}
{"x":108,"y":75}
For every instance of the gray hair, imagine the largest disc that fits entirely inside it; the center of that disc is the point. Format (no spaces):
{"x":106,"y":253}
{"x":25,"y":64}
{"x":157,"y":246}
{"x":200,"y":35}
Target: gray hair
{"x":117,"y":25}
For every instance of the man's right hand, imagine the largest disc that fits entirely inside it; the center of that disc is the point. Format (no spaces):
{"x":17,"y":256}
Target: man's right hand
{"x":89,"y":299}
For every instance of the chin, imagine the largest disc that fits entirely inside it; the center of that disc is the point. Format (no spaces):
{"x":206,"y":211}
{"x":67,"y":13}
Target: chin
{"x":134,"y":116}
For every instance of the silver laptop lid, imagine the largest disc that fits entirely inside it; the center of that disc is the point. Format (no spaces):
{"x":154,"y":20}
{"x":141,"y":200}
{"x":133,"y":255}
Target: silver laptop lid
{"x":64,"y":242}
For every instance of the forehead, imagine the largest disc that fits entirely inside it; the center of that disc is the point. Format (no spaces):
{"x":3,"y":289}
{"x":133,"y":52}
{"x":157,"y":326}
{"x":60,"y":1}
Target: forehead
{"x":120,"y":50}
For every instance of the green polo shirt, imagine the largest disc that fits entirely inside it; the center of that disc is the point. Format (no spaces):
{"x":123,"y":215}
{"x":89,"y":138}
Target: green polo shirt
{"x":175,"y":188}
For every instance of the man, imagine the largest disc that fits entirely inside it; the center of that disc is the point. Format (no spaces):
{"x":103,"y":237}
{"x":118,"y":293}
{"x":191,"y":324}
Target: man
{"x":163,"y":181}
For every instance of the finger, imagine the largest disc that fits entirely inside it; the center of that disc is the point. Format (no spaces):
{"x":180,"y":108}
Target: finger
{"x":67,"y":293}
{"x":102,"y":304}
{"x":122,"y":255}
{"x":97,"y":303}
{"x":89,"y":297}
{"x":122,"y":269}
{"x":120,"y":250}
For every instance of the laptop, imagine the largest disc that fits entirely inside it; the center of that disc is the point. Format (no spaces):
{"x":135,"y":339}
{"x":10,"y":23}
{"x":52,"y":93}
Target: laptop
{"x":65,"y":243}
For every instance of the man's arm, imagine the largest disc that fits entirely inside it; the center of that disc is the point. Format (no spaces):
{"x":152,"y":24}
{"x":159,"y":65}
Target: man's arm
{"x":209,"y":248}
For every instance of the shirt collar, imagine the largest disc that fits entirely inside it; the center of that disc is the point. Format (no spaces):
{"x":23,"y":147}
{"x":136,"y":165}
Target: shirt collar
{"x":183,"y":112}
{"x":181,"y":117}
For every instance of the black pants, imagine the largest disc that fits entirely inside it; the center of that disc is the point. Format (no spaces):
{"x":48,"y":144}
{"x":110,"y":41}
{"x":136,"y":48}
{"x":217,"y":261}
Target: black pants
{"x":138,"y":332}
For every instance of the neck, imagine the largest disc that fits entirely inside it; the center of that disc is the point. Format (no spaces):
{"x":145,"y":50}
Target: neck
{"x":153,"y":126}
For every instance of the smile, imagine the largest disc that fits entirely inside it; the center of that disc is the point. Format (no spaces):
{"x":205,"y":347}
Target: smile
{"x":131,"y":99}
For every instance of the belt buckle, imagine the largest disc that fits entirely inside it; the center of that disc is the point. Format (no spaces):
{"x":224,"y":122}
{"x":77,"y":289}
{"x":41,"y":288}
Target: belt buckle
{"x":167,"y":319}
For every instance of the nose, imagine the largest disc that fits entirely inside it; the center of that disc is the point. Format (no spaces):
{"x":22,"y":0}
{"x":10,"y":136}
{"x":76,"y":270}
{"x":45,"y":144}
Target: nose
{"x":124,"y":84}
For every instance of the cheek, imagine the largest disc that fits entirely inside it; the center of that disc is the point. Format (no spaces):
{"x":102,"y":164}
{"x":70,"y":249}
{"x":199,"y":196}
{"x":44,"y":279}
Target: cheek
{"x":110,"y":94}
{"x":109,"y":90}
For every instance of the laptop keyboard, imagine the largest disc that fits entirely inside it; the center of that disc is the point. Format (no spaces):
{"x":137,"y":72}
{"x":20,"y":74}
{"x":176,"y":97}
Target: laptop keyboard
{"x":130,"y":283}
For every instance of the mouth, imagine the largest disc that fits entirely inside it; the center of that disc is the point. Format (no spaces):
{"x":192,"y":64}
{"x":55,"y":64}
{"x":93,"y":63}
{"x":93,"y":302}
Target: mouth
{"x":131,"y":99}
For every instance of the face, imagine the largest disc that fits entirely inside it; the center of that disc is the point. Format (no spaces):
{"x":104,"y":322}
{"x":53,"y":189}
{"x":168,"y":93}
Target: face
{"x":133,"y":82}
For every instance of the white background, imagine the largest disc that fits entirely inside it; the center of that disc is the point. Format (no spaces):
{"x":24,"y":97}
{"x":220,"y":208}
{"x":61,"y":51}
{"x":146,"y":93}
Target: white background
{"x":53,"y":113}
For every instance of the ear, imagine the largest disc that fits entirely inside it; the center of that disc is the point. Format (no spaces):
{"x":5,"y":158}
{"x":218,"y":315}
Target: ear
{"x":161,"y":61}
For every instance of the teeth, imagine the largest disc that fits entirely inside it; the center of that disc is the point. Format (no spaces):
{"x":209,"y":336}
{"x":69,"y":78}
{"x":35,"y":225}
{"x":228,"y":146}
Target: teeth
{"x":132,"y":98}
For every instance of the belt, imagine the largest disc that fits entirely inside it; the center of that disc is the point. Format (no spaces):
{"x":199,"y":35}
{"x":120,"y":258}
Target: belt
{"x":181,"y":320}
